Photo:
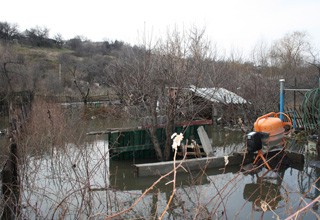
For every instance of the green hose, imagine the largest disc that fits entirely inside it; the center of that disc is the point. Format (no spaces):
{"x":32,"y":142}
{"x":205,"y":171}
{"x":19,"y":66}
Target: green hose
{"x":311,"y":109}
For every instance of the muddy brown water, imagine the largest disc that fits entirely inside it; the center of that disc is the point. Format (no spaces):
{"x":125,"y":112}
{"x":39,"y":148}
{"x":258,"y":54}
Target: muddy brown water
{"x":81,"y":182}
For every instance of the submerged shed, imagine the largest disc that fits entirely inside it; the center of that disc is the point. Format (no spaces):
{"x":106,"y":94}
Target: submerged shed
{"x":218,"y":103}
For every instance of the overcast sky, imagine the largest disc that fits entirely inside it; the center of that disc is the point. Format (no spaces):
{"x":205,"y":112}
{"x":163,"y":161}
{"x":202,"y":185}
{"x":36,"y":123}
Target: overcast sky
{"x":231,"y":24}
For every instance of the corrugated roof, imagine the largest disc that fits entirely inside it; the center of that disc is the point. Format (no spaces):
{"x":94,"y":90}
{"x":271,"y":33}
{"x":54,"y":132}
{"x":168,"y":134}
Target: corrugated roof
{"x":218,"y":95}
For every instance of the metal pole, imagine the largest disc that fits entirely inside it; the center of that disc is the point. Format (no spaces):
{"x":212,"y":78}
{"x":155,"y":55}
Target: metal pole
{"x":281,"y":97}
{"x":294,"y":94}
{"x":318,"y":91}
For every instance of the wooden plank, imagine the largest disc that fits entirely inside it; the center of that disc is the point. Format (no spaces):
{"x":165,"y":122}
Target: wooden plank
{"x":198,"y":151}
{"x":160,"y":168}
{"x":191,"y":150}
{"x":205,"y":141}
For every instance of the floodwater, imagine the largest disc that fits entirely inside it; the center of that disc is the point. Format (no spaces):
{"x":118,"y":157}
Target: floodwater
{"x":80,"y":181}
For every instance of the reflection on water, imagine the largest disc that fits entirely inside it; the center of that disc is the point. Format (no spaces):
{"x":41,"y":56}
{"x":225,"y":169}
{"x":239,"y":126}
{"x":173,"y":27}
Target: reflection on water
{"x":265,"y":192}
{"x":61,"y":180}
{"x":78,"y":182}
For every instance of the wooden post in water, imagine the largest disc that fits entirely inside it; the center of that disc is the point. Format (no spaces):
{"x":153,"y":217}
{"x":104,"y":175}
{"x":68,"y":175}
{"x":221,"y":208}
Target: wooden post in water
{"x":19,"y":107}
{"x":10,"y":185}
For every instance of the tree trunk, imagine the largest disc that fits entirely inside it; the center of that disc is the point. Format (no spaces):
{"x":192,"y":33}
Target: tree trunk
{"x":169,"y":128}
{"x":156,"y":145}
{"x":153,"y":131}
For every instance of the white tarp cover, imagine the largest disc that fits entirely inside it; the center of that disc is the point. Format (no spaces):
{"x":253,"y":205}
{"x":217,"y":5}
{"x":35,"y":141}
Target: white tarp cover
{"x":218,"y":95}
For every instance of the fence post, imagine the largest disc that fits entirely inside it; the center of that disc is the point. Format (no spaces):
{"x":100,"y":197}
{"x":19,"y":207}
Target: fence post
{"x":10,"y":185}
{"x":281,"y":97}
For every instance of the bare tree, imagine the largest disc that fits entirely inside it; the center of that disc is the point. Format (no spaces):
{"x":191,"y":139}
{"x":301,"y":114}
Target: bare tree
{"x":10,"y":69}
{"x":260,"y":55}
{"x":290,"y":55}
{"x":151,"y":81}
{"x":38,"y":36}
{"x":8,"y":31}
{"x":291,"y":51}
{"x":59,"y":40}
{"x":75,"y":69}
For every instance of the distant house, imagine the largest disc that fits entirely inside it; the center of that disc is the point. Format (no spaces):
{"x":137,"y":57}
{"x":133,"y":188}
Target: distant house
{"x":219,"y":104}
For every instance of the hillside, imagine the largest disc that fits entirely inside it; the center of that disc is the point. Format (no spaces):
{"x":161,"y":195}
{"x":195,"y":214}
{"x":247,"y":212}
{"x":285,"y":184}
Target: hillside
{"x":80,"y":69}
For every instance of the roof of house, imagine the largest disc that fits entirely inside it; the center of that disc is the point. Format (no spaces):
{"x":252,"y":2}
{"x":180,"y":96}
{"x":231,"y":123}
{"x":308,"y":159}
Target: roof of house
{"x":218,"y":95}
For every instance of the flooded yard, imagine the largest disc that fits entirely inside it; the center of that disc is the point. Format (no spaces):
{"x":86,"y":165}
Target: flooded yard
{"x":82,"y":182}
{"x":79,"y":180}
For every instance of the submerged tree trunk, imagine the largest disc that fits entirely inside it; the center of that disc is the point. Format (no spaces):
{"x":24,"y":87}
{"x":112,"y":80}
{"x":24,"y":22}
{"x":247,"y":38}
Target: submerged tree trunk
{"x":169,"y":127}
{"x":153,"y":130}
{"x":156,"y":145}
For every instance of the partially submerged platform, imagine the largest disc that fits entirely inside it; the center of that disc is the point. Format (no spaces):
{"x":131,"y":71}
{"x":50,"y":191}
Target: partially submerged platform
{"x":236,"y":159}
{"x":160,"y":168}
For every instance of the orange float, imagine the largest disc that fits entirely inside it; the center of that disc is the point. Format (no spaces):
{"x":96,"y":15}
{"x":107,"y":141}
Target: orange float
{"x":269,"y":131}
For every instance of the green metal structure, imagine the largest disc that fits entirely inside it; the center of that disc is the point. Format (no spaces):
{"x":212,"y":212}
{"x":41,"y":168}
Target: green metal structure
{"x":129,"y":144}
